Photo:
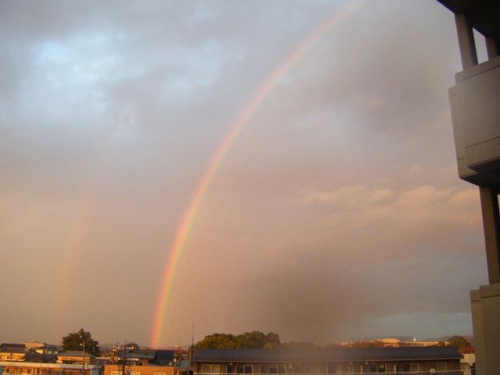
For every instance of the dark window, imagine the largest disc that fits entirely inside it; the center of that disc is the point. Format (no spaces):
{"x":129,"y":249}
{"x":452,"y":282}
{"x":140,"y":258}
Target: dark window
{"x":369,"y":368}
{"x":403,"y":367}
{"x":302,"y":369}
{"x":332,"y":369}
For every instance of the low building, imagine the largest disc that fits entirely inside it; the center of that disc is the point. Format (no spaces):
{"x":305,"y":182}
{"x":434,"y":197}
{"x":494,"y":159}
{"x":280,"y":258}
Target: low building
{"x":34,"y":368}
{"x":23,"y":353}
{"x":138,"y":370}
{"x":401,"y":360}
{"x":13,"y":354}
{"x":394,"y":342}
{"x":74,"y":357}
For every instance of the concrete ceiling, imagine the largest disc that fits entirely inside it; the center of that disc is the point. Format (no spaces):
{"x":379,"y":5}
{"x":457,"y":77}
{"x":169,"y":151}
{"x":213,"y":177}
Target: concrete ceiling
{"x":484,"y":15}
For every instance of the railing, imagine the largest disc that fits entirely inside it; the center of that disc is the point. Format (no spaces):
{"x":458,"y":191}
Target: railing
{"x":443,"y":372}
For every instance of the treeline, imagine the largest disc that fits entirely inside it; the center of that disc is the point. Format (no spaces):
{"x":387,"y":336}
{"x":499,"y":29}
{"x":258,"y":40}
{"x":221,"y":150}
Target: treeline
{"x":251,"y":340}
{"x":247,"y":340}
{"x":271,"y":340}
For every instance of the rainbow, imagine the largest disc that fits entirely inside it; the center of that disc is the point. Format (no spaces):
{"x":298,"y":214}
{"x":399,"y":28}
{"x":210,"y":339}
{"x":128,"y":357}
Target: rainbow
{"x":222,"y":151}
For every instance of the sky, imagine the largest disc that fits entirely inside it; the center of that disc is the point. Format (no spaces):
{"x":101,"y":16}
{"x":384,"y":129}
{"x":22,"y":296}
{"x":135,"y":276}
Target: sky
{"x":173,"y":169}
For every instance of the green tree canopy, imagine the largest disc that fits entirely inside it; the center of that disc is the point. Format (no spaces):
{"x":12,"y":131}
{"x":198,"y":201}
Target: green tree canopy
{"x":459,"y":342}
{"x":81,"y":341}
{"x":247,"y":340}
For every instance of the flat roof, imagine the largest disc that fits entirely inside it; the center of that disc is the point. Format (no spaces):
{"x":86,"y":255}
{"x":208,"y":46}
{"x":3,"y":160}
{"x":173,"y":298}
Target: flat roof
{"x":484,"y":15}
{"x":326,"y":355}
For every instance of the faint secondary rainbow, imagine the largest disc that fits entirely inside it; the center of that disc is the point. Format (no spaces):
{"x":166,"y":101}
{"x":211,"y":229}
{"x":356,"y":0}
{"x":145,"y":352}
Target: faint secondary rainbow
{"x":222,"y":150}
{"x":75,"y":241}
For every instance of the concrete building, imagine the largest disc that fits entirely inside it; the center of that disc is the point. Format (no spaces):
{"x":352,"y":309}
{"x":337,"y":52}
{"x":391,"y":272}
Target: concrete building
{"x":26,"y":353}
{"x":138,"y":370}
{"x":403,"y":360}
{"x":34,"y":368}
{"x":75,"y":358}
{"x":475,"y":109}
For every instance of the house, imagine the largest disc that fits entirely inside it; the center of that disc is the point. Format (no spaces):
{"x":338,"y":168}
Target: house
{"x":40,"y":359}
{"x":137,"y":361}
{"x":143,"y":357}
{"x":75,"y":357}
{"x":34,"y":368}
{"x":401,"y":360}
{"x":12,"y":353}
{"x":138,"y":370}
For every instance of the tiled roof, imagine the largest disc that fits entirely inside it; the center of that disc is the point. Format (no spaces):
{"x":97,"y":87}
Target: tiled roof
{"x":13,"y":350}
{"x":138,"y":354}
{"x":164,"y":355}
{"x":73,"y":353}
{"x":326,"y":355}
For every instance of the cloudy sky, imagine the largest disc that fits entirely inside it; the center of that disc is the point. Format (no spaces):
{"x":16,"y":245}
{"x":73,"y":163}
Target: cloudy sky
{"x":333,"y":213}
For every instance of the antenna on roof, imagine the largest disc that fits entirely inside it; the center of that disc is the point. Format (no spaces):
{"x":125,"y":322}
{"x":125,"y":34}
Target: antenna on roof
{"x":192,"y":336}
{"x":191,"y":349}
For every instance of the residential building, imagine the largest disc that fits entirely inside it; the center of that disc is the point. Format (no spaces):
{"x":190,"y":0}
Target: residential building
{"x":138,"y":370}
{"x":400,"y":360}
{"x":142,"y":357}
{"x":34,"y":368}
{"x":395,"y":342}
{"x":21,"y":353}
{"x":76,"y":358}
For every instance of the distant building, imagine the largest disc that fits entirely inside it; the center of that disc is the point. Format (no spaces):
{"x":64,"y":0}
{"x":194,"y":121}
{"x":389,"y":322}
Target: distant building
{"x":135,"y":361}
{"x":402,"y":360}
{"x":35,"y":358}
{"x":25,"y":353}
{"x":73,"y":357}
{"x":391,"y":342}
{"x":396,"y":343}
{"x":143,"y":357}
{"x":12,"y":353}
{"x":33,"y":368}
{"x":138,"y":370}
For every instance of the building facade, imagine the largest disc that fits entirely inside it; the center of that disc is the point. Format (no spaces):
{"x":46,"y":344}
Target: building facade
{"x":401,"y":360}
{"x":34,"y":368}
{"x":138,"y":370}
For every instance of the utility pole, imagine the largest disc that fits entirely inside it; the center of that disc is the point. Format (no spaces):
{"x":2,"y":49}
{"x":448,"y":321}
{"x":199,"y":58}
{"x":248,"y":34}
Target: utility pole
{"x":83,"y":354}
{"x":124,"y":358}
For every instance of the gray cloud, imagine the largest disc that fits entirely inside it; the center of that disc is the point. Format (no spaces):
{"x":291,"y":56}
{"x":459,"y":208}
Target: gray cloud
{"x":336,"y":214}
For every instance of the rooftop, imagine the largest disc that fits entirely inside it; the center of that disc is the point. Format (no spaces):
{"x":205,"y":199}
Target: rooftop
{"x":325,"y":355}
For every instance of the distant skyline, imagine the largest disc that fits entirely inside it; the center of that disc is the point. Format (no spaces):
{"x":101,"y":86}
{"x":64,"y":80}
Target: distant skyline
{"x":283,"y":166}
{"x":109,"y":345}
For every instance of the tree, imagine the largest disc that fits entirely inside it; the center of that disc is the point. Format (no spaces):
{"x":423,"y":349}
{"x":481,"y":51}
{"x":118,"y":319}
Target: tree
{"x":81,"y":341}
{"x":247,"y":340}
{"x":218,"y":341}
{"x":459,"y":342}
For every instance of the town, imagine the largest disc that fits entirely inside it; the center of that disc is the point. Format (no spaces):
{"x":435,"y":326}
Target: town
{"x":248,"y":353}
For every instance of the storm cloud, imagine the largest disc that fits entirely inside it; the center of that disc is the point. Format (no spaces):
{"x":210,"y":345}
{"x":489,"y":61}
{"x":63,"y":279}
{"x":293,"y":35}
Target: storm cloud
{"x":337,"y":213}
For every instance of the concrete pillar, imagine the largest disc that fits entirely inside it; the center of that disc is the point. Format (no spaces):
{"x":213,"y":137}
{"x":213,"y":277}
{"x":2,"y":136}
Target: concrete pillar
{"x":485,"y":304}
{"x":491,"y":226}
{"x":466,"y":43}
{"x":492,"y":47}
